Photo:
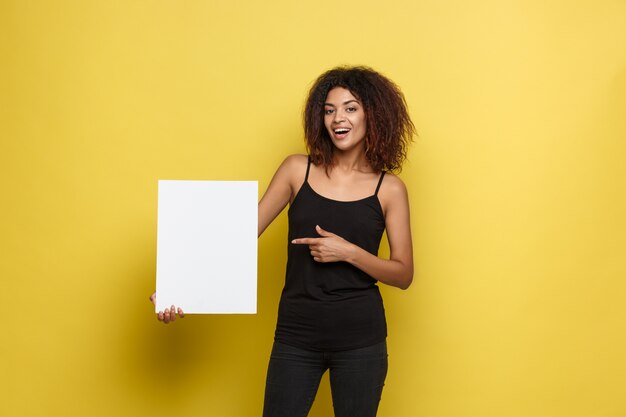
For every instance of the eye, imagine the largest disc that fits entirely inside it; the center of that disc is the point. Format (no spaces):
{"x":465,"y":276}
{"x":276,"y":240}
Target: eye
{"x":328,"y":111}
{"x":351,"y":109}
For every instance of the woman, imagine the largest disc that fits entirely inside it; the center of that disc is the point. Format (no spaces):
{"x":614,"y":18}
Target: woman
{"x":341,"y":199}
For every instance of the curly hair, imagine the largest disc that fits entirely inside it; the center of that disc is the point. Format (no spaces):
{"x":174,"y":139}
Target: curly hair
{"x":389,"y":126}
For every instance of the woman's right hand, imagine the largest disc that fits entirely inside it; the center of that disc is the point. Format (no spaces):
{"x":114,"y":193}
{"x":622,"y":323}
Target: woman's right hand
{"x":169,"y":314}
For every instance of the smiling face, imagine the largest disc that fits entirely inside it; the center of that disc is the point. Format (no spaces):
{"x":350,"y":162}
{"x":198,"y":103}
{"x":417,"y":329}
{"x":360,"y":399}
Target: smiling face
{"x":344,"y":119}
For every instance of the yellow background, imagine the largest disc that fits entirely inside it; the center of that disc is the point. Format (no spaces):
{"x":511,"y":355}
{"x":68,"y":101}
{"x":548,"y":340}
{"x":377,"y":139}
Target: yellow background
{"x":517,"y":185}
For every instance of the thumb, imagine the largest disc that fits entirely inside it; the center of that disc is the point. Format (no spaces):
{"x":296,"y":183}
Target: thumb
{"x":323,"y":232}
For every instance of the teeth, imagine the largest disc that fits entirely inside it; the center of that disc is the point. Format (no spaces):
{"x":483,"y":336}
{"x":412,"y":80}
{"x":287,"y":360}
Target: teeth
{"x":339,"y":131}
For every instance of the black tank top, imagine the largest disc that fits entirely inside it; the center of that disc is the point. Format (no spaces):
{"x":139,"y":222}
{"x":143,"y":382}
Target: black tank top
{"x":331,"y":306}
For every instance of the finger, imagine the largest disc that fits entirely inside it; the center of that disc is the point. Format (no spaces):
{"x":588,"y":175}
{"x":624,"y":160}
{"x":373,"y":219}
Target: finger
{"x":166,"y":316}
{"x":153,"y":298}
{"x":316,"y":254}
{"x":323,"y":232}
{"x":181,"y":314}
{"x":305,"y":241}
{"x":160,"y":316}
{"x":172,"y":313}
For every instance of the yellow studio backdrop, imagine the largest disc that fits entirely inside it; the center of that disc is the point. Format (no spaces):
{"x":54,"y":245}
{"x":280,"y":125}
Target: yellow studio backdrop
{"x":517,"y":186}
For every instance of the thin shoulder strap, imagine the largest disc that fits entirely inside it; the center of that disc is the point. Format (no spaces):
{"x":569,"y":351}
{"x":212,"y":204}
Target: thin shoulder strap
{"x":380,"y":181}
{"x":308,"y":167}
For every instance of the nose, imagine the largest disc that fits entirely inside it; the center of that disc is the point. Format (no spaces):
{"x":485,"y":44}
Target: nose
{"x":339,"y":116}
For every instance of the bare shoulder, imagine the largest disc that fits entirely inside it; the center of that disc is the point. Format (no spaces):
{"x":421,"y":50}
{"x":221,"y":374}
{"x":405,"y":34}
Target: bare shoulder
{"x":295,"y":162}
{"x":392,"y":186}
{"x":392,"y":191}
{"x":293,"y":167}
{"x":292,"y":171}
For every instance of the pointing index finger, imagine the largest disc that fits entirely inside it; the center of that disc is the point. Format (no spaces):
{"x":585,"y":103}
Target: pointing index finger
{"x":304,"y":241}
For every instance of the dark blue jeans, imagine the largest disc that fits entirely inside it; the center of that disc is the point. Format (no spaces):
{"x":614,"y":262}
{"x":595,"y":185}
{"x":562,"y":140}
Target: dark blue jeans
{"x":356,"y":380}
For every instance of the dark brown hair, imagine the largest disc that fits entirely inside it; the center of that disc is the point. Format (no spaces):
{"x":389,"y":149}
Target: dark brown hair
{"x":389,"y":126}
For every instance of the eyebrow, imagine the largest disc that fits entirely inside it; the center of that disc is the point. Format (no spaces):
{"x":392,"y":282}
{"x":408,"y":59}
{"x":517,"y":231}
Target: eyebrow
{"x":344,"y":103}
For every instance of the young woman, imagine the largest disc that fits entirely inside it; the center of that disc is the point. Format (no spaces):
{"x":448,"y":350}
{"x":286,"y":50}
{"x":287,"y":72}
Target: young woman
{"x":341,"y":199}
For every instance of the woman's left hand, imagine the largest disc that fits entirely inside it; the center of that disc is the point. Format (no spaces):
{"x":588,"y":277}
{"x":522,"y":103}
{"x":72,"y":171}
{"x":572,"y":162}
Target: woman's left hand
{"x":327,"y":248}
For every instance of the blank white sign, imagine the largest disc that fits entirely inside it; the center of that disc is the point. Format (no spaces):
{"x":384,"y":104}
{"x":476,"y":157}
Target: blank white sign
{"x":207,"y":246}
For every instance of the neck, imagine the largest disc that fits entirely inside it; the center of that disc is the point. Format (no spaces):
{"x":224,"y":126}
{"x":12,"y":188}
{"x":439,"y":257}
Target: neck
{"x":351,"y":160}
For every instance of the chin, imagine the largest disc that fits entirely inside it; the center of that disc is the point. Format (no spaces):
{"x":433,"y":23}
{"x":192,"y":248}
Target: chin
{"x":341,"y":146}
{"x":346,"y":145}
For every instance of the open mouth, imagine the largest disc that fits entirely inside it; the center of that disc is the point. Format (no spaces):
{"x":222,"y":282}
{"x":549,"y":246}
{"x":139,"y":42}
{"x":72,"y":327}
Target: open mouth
{"x":341,"y":132}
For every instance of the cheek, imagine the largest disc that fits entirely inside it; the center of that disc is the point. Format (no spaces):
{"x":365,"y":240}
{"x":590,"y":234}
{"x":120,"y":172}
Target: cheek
{"x":362,"y":125}
{"x":359,"y":120}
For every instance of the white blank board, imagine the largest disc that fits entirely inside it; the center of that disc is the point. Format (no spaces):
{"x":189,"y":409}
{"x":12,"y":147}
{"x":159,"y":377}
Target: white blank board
{"x":207,"y":246}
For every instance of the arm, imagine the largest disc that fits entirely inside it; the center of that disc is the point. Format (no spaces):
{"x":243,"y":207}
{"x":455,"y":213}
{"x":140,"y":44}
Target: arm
{"x":398,"y":269}
{"x":282,"y":189}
